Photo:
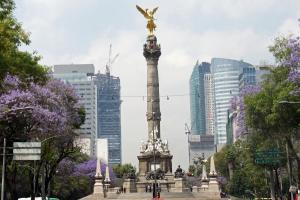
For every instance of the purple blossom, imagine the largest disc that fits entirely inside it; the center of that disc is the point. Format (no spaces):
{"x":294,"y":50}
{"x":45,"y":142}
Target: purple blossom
{"x":238,"y":106}
{"x":10,"y":80}
{"x":65,"y":91}
{"x":52,"y":107}
{"x":293,"y":58}
{"x":233,"y":103}
{"x":294,"y":77}
{"x":66,"y":167}
{"x":88,"y":168}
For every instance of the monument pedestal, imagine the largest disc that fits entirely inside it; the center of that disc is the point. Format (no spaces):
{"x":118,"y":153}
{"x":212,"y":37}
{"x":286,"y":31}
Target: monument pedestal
{"x":195,"y":189}
{"x":204,"y":185}
{"x":162,"y":164}
{"x":162,"y":161}
{"x":180,"y":185}
{"x":98,"y":187}
{"x":164,"y":185}
{"x":129,"y":185}
{"x":213,"y":185}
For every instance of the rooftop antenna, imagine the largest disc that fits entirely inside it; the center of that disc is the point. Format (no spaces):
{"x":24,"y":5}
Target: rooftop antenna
{"x":110,"y":61}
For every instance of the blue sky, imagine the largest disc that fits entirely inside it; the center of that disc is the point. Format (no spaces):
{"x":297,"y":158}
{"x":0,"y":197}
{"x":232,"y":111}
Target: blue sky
{"x":80,"y":31}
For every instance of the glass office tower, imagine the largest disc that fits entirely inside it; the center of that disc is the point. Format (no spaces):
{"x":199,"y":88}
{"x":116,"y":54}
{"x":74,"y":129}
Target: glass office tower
{"x":109,"y":114}
{"x":197,"y":98}
{"x":226,"y":74}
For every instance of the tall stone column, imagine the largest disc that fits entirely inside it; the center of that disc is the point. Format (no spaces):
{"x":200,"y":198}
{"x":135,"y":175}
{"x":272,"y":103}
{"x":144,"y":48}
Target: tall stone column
{"x":154,"y":153}
{"x":152,"y":53}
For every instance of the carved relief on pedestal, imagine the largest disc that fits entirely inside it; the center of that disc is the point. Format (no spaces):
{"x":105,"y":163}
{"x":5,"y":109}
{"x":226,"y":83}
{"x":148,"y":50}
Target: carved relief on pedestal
{"x":160,"y":146}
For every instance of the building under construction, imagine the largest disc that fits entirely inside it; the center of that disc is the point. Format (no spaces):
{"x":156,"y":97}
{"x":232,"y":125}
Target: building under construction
{"x":109,"y":114}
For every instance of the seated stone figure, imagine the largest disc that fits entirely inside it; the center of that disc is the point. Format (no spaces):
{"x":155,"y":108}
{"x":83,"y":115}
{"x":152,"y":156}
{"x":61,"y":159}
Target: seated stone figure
{"x":159,"y":175}
{"x":179,"y":172}
{"x":131,"y":174}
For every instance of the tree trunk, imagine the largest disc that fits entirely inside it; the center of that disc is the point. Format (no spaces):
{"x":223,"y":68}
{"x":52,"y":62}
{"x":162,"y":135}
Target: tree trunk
{"x":230,"y":168}
{"x":32,"y":182}
{"x":272,"y":185}
{"x":298,"y":171}
{"x":14,"y":185}
{"x":295,"y":157}
{"x":277,"y":185}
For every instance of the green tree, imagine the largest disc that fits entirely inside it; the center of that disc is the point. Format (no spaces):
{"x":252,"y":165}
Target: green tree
{"x":122,"y":170}
{"x":245,"y":176}
{"x":12,"y":36}
{"x":274,"y":120}
{"x":192,"y":169}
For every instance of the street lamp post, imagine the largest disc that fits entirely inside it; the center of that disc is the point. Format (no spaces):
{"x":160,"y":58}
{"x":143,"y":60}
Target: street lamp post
{"x":3,"y":169}
{"x":154,"y":153}
{"x":154,"y":159}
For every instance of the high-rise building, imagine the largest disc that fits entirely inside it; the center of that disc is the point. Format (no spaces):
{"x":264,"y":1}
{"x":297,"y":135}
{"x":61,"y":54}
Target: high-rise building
{"x":201,"y":139}
{"x":209,"y":104}
{"x":197,"y":98}
{"x":250,"y":76}
{"x":261,"y":72}
{"x":109,"y":114}
{"x":79,"y":76}
{"x":226,"y":74}
{"x":247,"y":77}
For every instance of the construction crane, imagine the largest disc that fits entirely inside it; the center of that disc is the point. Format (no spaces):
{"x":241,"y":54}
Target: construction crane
{"x":110,"y":61}
{"x":187,"y":129}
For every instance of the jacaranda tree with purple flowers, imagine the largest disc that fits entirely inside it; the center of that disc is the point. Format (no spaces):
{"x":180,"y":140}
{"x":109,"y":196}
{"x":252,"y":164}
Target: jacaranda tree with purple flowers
{"x":75,"y":180}
{"x":238,"y":107}
{"x":32,"y":112}
{"x":274,"y":112}
{"x":271,"y":115}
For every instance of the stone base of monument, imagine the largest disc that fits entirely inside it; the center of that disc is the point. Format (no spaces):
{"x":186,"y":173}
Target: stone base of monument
{"x":130,"y":185}
{"x":180,"y":185}
{"x":195,"y":188}
{"x":204,"y":185}
{"x":164,"y":185}
{"x":163,"y":161}
{"x":213,"y":188}
{"x":98,"y":187}
{"x":213,"y":185}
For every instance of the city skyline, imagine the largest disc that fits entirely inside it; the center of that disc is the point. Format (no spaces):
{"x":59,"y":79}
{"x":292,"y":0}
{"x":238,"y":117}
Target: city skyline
{"x":231,"y":29}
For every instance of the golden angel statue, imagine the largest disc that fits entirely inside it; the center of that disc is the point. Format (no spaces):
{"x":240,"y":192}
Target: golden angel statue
{"x":148,"y":14}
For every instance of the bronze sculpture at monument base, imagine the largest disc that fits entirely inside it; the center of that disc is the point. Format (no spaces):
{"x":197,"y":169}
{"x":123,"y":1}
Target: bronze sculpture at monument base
{"x":161,"y":170}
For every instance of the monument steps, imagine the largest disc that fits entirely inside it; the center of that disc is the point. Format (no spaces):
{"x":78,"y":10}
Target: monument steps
{"x":166,"y":196}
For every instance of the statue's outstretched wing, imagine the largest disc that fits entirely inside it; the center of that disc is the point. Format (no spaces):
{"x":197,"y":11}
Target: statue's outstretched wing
{"x":154,"y":10}
{"x":143,"y":12}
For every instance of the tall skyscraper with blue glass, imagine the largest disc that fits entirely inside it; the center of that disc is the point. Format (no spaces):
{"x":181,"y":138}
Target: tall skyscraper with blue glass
{"x":109,"y":114}
{"x":229,"y":76}
{"x":197,"y":98}
{"x":201,"y":139}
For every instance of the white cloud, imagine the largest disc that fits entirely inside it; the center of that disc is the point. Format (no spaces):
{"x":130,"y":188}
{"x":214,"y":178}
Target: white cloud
{"x":290,"y":26}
